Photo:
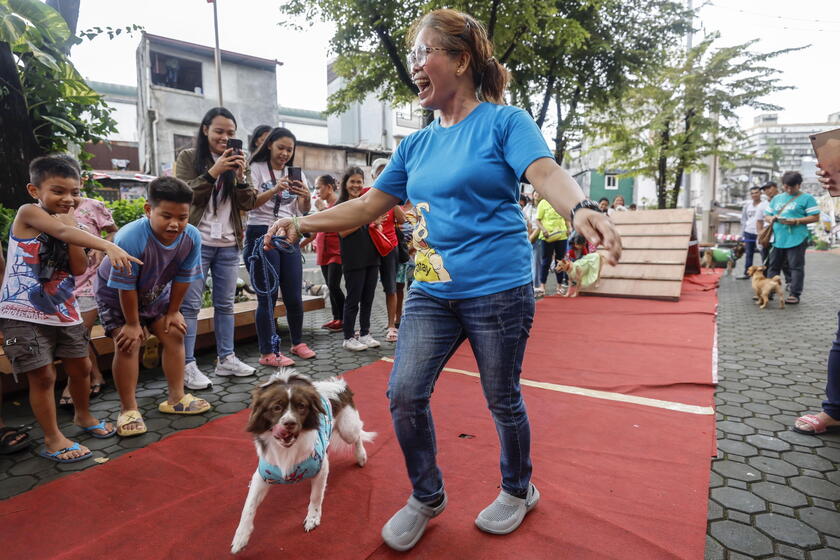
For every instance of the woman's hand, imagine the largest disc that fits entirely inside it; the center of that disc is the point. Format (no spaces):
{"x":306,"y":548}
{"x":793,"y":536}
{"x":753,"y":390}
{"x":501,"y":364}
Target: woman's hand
{"x":298,"y":188}
{"x":825,"y":178}
{"x":281,"y":228}
{"x":596,"y":227}
{"x":229,"y":161}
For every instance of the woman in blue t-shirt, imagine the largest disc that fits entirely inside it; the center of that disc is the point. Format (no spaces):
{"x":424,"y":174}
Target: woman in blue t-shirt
{"x":473,"y":258}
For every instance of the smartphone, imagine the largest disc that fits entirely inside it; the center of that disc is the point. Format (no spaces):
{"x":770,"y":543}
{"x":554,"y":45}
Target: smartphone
{"x":827,"y":147}
{"x":236,"y":144}
{"x":295,"y":174}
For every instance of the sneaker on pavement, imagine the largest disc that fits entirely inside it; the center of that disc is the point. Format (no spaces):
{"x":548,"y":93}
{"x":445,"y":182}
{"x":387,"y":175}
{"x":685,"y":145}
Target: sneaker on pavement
{"x":194,"y":379}
{"x":337,"y":326}
{"x":506,"y":513}
{"x":354,"y":345}
{"x":233,"y":366}
{"x":743,"y":277}
{"x":328,"y":325}
{"x":369,"y":341}
{"x":303,"y":351}
{"x":277,"y":360}
{"x":405,"y":528}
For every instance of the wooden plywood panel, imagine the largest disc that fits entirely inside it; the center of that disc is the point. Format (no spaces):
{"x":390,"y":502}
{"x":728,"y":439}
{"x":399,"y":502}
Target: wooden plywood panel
{"x":655,"y":230}
{"x":648,"y":289}
{"x":652,"y":256}
{"x":678,"y":215}
{"x":644,"y":271}
{"x":669,"y":242}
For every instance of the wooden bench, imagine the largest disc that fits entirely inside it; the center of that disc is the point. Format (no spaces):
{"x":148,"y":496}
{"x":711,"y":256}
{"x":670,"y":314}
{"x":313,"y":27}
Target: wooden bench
{"x":244,"y":314}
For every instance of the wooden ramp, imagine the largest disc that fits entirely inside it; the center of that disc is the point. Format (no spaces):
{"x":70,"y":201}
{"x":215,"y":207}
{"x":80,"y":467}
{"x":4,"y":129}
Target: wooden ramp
{"x":656,"y":255}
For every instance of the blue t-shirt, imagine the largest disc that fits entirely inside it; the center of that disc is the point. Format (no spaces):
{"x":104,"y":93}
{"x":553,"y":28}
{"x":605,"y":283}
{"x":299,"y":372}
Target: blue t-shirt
{"x":786,"y":236}
{"x":469,"y":231}
{"x":162,"y":264}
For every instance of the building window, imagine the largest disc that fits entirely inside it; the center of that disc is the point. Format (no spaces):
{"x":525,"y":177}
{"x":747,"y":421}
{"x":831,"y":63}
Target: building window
{"x":178,"y":73}
{"x":181,"y":143}
{"x":611,"y":182}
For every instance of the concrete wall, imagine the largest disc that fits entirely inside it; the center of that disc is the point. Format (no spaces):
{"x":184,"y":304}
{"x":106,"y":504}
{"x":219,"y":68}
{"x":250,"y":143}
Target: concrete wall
{"x":249,"y":93}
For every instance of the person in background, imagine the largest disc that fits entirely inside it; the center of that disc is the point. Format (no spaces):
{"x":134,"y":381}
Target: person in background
{"x":633,"y":207}
{"x":220,"y":180}
{"x":388,"y":264}
{"x":617,"y":205}
{"x":96,"y":219}
{"x":328,"y":248}
{"x":768,"y":191}
{"x":604,"y":205}
{"x":530,"y":212}
{"x":405,"y":271}
{"x":279,"y":196}
{"x":360,"y":264}
{"x":579,"y":248}
{"x":789,"y":214}
{"x":12,"y":440}
{"x":257,"y":138}
{"x":828,"y":419}
{"x":554,"y":238}
{"x":749,"y":218}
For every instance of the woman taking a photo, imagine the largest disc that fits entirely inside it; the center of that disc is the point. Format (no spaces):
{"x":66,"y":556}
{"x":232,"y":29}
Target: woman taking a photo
{"x":360,"y":264}
{"x":221,"y":188}
{"x":279,"y":197}
{"x":461,"y":288}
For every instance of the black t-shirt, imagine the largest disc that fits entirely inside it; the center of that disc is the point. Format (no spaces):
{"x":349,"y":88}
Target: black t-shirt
{"x":358,"y":251}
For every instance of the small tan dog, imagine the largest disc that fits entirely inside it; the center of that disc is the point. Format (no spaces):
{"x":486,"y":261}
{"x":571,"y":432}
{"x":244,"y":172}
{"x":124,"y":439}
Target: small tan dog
{"x":584,"y":272}
{"x":731,"y":257}
{"x":764,"y":286}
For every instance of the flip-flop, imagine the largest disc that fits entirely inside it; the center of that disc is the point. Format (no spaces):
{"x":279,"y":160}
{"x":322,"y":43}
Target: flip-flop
{"x":54,"y":456}
{"x":819,"y":426}
{"x":187,"y":405}
{"x":128,"y":417}
{"x":100,"y":426}
{"x":8,"y":434}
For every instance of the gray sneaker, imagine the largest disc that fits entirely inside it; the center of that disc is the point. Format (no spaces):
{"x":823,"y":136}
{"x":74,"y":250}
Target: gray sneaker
{"x":405,"y":528}
{"x":505,"y":514}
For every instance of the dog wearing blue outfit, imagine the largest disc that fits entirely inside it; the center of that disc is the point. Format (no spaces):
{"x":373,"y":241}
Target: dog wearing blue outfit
{"x":294,"y":420}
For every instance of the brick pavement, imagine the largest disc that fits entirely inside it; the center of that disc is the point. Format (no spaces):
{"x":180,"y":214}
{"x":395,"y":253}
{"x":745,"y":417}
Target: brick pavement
{"x":773,"y":493}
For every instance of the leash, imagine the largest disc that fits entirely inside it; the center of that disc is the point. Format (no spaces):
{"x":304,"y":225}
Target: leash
{"x":270,"y":275}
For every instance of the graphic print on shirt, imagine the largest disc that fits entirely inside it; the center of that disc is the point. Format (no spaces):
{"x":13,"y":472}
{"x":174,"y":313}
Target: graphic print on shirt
{"x":428,"y":263}
{"x":26,"y":297}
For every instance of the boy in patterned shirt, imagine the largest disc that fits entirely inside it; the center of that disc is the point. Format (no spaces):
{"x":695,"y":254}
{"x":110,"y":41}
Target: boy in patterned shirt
{"x":150,"y":297}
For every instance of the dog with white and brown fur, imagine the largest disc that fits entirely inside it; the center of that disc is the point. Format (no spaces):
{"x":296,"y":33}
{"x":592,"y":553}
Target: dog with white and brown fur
{"x":294,"y":420}
{"x":764,"y":286}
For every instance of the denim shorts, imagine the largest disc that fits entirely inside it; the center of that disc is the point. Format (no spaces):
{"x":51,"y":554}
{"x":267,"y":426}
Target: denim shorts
{"x":30,"y":346}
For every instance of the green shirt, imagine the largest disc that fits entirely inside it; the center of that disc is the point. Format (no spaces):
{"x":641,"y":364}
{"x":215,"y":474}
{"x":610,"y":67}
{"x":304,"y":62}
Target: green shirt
{"x":786,"y":236}
{"x":551,"y":220}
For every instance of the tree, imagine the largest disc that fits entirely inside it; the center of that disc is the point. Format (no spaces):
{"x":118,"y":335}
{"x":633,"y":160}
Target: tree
{"x":669,"y":122}
{"x":45,"y":104}
{"x":573,"y":54}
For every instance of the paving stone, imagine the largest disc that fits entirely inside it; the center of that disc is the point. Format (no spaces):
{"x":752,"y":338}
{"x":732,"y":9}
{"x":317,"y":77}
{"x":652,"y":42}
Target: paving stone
{"x":135,"y":442}
{"x":766,"y":442}
{"x":715,"y":511}
{"x":188,"y":422}
{"x":786,"y":551}
{"x":16,"y":484}
{"x":715,"y":480}
{"x":761,"y":408}
{"x":739,"y":471}
{"x":822,"y":520}
{"x":832,"y":542}
{"x":741,"y":538}
{"x":816,"y":487}
{"x":787,"y":530}
{"x":735,"y":483}
{"x":773,"y":466}
{"x":228,"y":408}
{"x":833,"y":476}
{"x":714,"y":550}
{"x":800,"y":439}
{"x":825,"y":554}
{"x":779,"y":494}
{"x":783,"y":510}
{"x":830,"y":453}
{"x":737,"y":499}
{"x":736,"y":447}
{"x":808,"y":461}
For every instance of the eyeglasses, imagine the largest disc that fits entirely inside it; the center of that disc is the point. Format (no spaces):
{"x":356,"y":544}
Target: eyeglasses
{"x":421,"y":53}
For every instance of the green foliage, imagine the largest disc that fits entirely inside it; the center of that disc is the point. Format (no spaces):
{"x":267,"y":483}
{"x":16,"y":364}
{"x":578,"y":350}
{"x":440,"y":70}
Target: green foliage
{"x":670,"y":121}
{"x":7,"y":216}
{"x":126,"y":211}
{"x":63,"y":110}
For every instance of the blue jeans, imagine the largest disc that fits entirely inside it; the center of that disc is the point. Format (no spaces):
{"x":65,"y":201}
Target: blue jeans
{"x":223,"y":263}
{"x":431,"y":330}
{"x":831,"y":404}
{"x":749,"y":249}
{"x":289,"y":267}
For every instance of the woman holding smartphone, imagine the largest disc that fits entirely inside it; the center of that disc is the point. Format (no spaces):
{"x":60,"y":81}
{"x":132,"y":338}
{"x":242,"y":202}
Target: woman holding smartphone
{"x":283,"y":192}
{"x":216,"y":171}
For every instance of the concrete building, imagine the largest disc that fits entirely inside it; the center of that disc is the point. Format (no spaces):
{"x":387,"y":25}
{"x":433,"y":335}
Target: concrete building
{"x":121,"y":150}
{"x":176,"y":85}
{"x":307,"y":126}
{"x":372,"y":124}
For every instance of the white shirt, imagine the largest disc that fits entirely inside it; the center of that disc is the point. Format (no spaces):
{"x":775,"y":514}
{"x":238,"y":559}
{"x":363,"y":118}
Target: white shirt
{"x":750,"y":215}
{"x":288,"y":207}
{"x":215,"y":227}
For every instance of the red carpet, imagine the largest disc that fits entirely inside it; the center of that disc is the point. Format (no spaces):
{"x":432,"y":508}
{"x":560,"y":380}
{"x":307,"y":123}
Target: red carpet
{"x":618,"y":480}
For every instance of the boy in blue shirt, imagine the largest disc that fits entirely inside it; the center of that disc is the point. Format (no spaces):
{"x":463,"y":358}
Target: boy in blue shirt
{"x":151,"y":297}
{"x":789,"y":213}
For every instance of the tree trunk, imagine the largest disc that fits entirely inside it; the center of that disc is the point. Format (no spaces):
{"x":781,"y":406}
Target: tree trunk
{"x":17,"y":141}
{"x":69,"y":10}
{"x":559,"y":135}
{"x":675,"y":192}
{"x":662,"y":167}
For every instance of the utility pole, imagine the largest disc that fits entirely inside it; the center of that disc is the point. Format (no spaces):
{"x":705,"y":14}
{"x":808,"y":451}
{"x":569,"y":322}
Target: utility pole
{"x":218,"y":53}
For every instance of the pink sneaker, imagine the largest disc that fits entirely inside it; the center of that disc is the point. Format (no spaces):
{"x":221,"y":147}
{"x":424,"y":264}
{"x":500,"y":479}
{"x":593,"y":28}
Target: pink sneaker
{"x":277,"y":360}
{"x":303,"y":351}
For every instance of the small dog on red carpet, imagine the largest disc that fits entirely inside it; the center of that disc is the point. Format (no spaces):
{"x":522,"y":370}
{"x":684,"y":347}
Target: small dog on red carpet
{"x":294,"y":420}
{"x":715,"y":255}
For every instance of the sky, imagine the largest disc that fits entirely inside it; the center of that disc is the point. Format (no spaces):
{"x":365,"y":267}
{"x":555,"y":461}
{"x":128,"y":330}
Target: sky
{"x":252,"y":27}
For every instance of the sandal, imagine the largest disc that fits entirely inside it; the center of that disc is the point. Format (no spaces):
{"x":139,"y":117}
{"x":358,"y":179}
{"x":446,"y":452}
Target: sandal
{"x":277,"y":360}
{"x":8,"y":435}
{"x":54,"y":456}
{"x":791,"y":300}
{"x":539,"y":292}
{"x":392,"y":335}
{"x":129,"y":417}
{"x":819,"y":425}
{"x":65,"y":403}
{"x":303,"y":351}
{"x":100,"y":426}
{"x":187,"y":405}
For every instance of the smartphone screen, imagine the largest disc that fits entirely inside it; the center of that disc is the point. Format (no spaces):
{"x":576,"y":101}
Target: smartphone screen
{"x":295,"y":174}
{"x":827,"y":148}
